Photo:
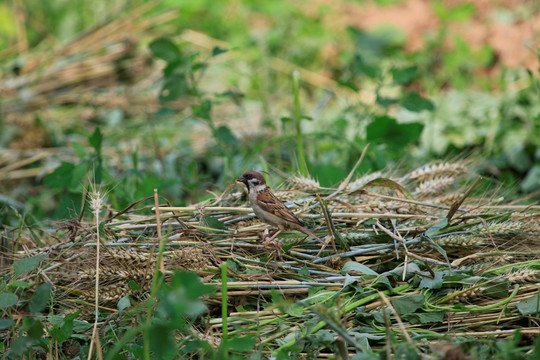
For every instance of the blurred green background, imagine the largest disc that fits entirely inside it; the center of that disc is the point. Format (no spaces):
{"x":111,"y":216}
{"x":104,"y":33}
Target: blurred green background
{"x":184,"y":96}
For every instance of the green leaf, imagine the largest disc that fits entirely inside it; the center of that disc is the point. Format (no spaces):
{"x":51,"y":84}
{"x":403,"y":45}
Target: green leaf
{"x":19,"y":284}
{"x":212,"y":222}
{"x":7,"y":299}
{"x":61,"y":332}
{"x":202,"y":110}
{"x":424,"y":318}
{"x":437,"y":227}
{"x":529,"y":306}
{"x":414,"y":102}
{"x":217,"y":51}
{"x":241,"y":343}
{"x":369,"y":69}
{"x":304,"y":271}
{"x":61,"y":176}
{"x":40,"y":299}
{"x":6,"y":323}
{"x":134,"y":286}
{"x":408,"y":304}
{"x":29,"y":264}
{"x":382,"y":282}
{"x":225,"y":135}
{"x":80,"y":151}
{"x":123,"y":303}
{"x":96,"y":140}
{"x":497,"y":289}
{"x":165,"y":49}
{"x":19,"y":346}
{"x":174,"y":87}
{"x":357,"y":267}
{"x":295,"y":310}
{"x":435,"y":283}
{"x":386,"y":130}
{"x":404,"y":75}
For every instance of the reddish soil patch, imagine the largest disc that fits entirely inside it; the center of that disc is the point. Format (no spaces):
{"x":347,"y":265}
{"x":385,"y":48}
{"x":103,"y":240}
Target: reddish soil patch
{"x":510,"y":27}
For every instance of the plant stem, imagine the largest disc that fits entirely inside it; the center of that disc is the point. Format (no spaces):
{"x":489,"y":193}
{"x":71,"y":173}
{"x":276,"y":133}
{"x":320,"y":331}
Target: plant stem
{"x":297,"y":121}
{"x":224,"y":302}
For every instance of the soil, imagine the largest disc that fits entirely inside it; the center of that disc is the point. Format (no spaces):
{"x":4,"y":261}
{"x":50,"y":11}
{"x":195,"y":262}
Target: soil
{"x":510,"y":27}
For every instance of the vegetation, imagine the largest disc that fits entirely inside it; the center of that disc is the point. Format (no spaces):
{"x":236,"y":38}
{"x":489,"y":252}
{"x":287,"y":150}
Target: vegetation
{"x":124,"y":235}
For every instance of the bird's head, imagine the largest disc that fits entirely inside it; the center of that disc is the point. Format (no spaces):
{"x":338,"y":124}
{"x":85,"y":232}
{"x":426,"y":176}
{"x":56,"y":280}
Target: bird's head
{"x":252,"y":179}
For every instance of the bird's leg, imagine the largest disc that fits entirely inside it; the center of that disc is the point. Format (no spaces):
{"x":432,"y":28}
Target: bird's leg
{"x":273,"y":236}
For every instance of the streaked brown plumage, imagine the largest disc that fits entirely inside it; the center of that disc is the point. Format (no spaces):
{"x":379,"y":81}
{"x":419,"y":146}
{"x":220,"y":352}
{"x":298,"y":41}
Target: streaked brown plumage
{"x":269,"y":208}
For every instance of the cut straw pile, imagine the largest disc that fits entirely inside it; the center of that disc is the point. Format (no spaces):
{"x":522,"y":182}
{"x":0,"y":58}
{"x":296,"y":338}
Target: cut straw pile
{"x":466,"y":261}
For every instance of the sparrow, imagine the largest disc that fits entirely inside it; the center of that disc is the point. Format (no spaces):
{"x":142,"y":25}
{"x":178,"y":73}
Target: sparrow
{"x":269,"y":208}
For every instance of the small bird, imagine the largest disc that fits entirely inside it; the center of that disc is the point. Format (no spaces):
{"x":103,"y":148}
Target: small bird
{"x":269,"y":208}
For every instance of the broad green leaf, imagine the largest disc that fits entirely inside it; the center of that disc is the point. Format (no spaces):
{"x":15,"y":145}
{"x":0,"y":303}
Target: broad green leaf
{"x":174,"y":87}
{"x":134,"y":286}
{"x":437,"y":227}
{"x":414,"y":102}
{"x":225,"y":135}
{"x":6,"y":323}
{"x":165,"y":49}
{"x":386,"y":130}
{"x":61,"y":332}
{"x":408,"y":304}
{"x":212,"y":222}
{"x":529,"y":306}
{"x":20,"y":346}
{"x":435,"y":283}
{"x":203,"y":110}
{"x":424,"y":318}
{"x":61,"y":176}
{"x":39,"y":301}
{"x":357,"y":267}
{"x":19,"y":284}
{"x":404,"y":75}
{"x":96,"y":139}
{"x":7,"y":299}
{"x":497,"y":289}
{"x":295,"y":310}
{"x":29,"y":264}
{"x":241,"y":343}
{"x":80,"y":151}
{"x":382,"y":282}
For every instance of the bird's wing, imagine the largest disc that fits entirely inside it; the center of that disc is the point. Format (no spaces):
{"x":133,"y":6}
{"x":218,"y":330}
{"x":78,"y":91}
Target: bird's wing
{"x":270,"y":203}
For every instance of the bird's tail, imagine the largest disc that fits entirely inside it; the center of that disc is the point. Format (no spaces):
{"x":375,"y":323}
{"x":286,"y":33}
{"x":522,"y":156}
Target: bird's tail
{"x":312,"y":234}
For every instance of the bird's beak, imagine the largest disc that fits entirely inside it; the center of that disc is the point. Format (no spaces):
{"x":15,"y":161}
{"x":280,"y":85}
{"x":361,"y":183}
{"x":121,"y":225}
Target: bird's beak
{"x":241,"y":179}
